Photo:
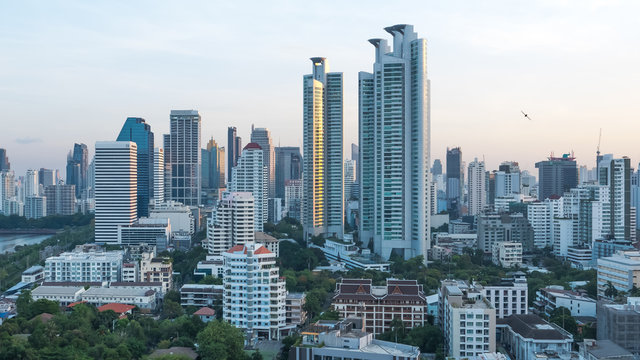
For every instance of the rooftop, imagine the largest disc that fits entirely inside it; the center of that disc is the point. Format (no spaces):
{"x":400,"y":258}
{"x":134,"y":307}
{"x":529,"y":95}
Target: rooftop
{"x":100,"y":291}
{"x":117,"y":308}
{"x":531,"y":326}
{"x":56,"y":290}
{"x":205,"y":311}
{"x":604,"y":349}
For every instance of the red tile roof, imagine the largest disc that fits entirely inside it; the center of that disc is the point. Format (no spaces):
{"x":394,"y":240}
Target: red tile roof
{"x":252,"y":146}
{"x":76,"y":303}
{"x":205,"y":311}
{"x":237,"y":248}
{"x":118,"y":308}
{"x":262,"y":250}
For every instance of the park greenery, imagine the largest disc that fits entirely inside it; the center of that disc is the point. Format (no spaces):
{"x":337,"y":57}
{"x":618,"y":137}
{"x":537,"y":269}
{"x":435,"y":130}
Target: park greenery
{"x":48,"y":222}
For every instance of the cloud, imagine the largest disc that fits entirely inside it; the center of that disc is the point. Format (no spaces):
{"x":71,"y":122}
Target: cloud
{"x":28,"y":140}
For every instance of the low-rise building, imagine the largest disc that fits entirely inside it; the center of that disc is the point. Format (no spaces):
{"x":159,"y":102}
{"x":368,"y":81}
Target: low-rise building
{"x":553,"y":297}
{"x":346,"y":252}
{"x":591,"y":349}
{"x":155,"y":231}
{"x":620,"y":323}
{"x":65,"y":295}
{"x":180,"y":216}
{"x":580,"y":257}
{"x":206,"y":314}
{"x":510,"y":296}
{"x":507,"y":254}
{"x":455,"y":242}
{"x":212,"y":266}
{"x":157,"y":269}
{"x":33,"y":274}
{"x":84,"y":264}
{"x":130,"y":272}
{"x":294,"y":307}
{"x":143,"y":298}
{"x":201,"y":295}
{"x":379,"y":305}
{"x":347,"y":340}
{"x":622,"y":271}
{"x":527,"y":336}
{"x":272,"y":244}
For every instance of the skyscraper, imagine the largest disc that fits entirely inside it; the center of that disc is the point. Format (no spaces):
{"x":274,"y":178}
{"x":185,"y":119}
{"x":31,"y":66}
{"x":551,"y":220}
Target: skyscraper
{"x":349,"y":178}
{"x":232,"y":224}
{"x":138,"y":131}
{"x":250,"y":175}
{"x":355,"y":156}
{"x":61,"y":199}
{"x":77,"y":166}
{"x":47,"y":177}
{"x":116,"y":188}
{"x":322,"y":147}
{"x":212,"y":166}
{"x":234,"y":148}
{"x":556,"y":176}
{"x":182,"y":157}
{"x":4,"y":160}
{"x":477,"y":187}
{"x":288,"y":167}
{"x":394,"y":146}
{"x":437,"y":167}
{"x":455,"y":182}
{"x":507,"y":179}
{"x":262,"y":137}
{"x":31,"y":184}
{"x":616,"y":174}
{"x":158,"y":175}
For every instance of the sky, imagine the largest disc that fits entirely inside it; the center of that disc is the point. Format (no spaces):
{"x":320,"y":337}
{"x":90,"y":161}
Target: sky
{"x":73,"y":71}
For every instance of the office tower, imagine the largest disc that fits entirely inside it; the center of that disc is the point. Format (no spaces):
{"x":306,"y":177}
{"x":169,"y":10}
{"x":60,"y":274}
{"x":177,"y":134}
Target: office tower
{"x":35,"y":207}
{"x":31,"y":185}
{"x":349,"y":178}
{"x":507,"y":179}
{"x":355,"y":155}
{"x":322,"y":146}
{"x":138,"y":131}
{"x":182,"y":157}
{"x":156,"y":232}
{"x":245,"y":303}
{"x":250,"y":175}
{"x":262,"y":137}
{"x":293,"y":199}
{"x":231,"y":222}
{"x":61,"y":199}
{"x":234,"y":148}
{"x":116,"y":188}
{"x":77,"y":168}
{"x":477,"y":187}
{"x":47,"y":177}
{"x":556,"y":176}
{"x":437,"y":167}
{"x":616,"y":174}
{"x":213,"y":166}
{"x":288,"y":167}
{"x":158,"y":175}
{"x":455,"y":182}
{"x":394,"y":146}
{"x":4,"y":160}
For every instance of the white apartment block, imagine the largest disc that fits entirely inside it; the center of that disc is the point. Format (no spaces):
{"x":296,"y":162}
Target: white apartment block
{"x":622,"y":270}
{"x":510,"y":297}
{"x":142,"y":298}
{"x":35,"y":207}
{"x":507,"y":254}
{"x":231,"y":223}
{"x":250,"y":175}
{"x":158,"y":176}
{"x":563,"y":236}
{"x":153,"y":231}
{"x":550,"y":298}
{"x":293,"y":199}
{"x":180,"y":216}
{"x":477,"y":187}
{"x":157,"y":269}
{"x":254,"y":293}
{"x":80,"y":266}
{"x":116,"y":188}
{"x":201,"y":295}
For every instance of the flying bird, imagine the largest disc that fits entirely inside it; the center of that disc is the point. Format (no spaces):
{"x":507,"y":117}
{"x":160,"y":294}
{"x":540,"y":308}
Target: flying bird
{"x":525,"y":115}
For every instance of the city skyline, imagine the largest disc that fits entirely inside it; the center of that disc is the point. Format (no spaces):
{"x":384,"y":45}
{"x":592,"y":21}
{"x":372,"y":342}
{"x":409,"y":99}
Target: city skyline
{"x":488,"y":62}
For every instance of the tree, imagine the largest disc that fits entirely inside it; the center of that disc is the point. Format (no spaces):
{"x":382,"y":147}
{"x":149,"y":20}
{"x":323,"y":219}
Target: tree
{"x":610,"y":291}
{"x":287,"y":343}
{"x":561,"y":316}
{"x":220,"y":340}
{"x":256,"y":355}
{"x":171,"y":309}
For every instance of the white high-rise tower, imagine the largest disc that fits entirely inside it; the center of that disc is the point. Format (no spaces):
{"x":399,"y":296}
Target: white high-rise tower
{"x":477,"y":187}
{"x":250,"y":175}
{"x":322,"y":159}
{"x":116,"y":188}
{"x":394,"y":146}
{"x":158,"y":175}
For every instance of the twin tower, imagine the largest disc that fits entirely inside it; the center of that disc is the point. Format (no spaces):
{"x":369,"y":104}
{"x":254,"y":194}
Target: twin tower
{"x":394,"y":140}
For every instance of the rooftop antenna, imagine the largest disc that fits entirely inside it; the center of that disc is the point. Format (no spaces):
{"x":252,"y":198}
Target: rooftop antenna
{"x":598,"y":157}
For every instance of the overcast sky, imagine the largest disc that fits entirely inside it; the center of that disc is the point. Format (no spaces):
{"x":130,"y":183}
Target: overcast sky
{"x":72,"y":71}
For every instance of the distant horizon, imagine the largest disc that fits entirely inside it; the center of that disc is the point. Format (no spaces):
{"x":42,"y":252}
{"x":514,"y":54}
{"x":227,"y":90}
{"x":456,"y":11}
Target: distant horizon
{"x":73,"y":72}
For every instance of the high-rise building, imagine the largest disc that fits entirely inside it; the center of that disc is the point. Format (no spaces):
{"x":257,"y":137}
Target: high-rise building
{"x":262,"y":137}
{"x":234,"y":148}
{"x":182,"y":155}
{"x":288,"y":167}
{"x":493,"y":228}
{"x":35,"y":207}
{"x":231,"y":223}
{"x":616,"y":174}
{"x":255,"y":297}
{"x":31,"y":185}
{"x":556,"y":176}
{"x":158,"y":175}
{"x":507,"y":179}
{"x":477,"y":187}
{"x":77,"y":168}
{"x":213,"y":159}
{"x":47,"y":177}
{"x":116,"y":188}
{"x":293,"y":199}
{"x":138,"y":131}
{"x":322,"y":162}
{"x":4,"y":160}
{"x":61,"y":199}
{"x":349,"y":178}
{"x":355,"y":156}
{"x":437,"y":167}
{"x":455,"y":182}
{"x":394,"y":146}
{"x":250,"y":175}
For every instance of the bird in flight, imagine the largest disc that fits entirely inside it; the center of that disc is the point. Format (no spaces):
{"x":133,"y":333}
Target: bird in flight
{"x":525,"y":115}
